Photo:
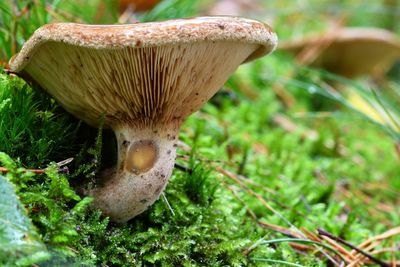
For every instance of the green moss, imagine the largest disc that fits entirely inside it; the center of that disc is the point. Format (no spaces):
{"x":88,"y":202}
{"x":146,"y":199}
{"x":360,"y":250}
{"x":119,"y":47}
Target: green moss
{"x":33,"y":128}
{"x":198,"y":232}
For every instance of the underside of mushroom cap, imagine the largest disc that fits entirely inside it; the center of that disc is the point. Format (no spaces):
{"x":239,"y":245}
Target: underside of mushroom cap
{"x":140,"y":74}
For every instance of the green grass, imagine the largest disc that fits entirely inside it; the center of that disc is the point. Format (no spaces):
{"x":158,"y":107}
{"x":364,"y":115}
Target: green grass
{"x":336,"y":169}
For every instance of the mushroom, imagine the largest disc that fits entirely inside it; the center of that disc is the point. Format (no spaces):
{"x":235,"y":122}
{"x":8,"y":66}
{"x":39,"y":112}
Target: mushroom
{"x":143,"y":79}
{"x":351,"y":52}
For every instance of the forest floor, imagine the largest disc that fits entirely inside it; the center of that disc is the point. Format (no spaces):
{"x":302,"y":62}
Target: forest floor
{"x":278,"y":169}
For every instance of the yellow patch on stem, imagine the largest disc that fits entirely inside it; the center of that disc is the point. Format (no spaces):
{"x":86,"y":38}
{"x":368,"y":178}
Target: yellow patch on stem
{"x":142,"y":156}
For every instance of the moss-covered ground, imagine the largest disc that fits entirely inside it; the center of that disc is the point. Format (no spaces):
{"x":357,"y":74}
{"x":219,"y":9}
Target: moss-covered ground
{"x":267,"y":162}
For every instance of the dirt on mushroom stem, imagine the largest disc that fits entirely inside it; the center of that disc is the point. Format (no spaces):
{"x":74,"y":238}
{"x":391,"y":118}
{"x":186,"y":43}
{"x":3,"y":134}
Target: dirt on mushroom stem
{"x":146,"y":158}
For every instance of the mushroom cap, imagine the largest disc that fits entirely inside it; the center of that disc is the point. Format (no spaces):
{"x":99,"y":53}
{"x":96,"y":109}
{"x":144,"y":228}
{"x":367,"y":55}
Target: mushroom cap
{"x":144,"y":73}
{"x":352,"y":51}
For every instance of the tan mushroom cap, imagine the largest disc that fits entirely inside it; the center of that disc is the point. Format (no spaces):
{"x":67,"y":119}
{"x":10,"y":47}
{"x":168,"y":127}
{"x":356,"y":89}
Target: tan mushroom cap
{"x":140,"y":74}
{"x":352,"y":52}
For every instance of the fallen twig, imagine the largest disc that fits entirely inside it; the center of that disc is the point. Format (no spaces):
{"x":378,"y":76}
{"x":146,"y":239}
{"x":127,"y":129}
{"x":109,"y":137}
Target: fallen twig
{"x":248,"y":209}
{"x":183,"y":168}
{"x":344,"y":242}
{"x":63,"y":169}
{"x":279,"y":229}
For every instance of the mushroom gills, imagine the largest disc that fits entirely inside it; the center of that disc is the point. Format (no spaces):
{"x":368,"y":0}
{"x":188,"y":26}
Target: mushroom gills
{"x":145,"y":163}
{"x":143,"y":79}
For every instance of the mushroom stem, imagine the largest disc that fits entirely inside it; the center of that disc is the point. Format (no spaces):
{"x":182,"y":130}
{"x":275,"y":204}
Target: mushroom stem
{"x":146,"y":159}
